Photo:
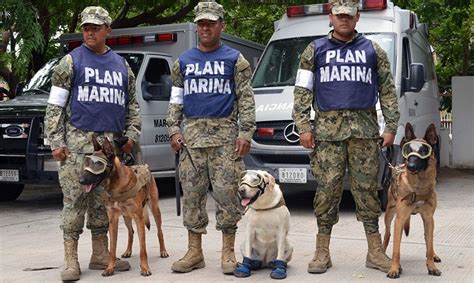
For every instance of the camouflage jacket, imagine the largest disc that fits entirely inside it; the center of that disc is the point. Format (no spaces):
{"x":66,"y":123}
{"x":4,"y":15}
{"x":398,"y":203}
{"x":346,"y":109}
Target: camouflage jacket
{"x":208,"y":132}
{"x":339,"y":125}
{"x":59,"y":130}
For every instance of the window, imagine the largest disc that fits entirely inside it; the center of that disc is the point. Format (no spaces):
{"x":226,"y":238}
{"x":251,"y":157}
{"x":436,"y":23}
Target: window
{"x":156,"y":84}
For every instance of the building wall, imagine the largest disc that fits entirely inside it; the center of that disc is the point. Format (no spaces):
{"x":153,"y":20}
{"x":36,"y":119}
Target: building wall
{"x":463,"y":122}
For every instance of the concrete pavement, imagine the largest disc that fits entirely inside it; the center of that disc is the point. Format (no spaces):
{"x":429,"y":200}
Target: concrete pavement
{"x":30,"y":239}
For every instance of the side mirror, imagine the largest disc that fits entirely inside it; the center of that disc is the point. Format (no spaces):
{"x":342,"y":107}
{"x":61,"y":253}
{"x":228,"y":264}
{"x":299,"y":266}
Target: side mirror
{"x":19,"y":88}
{"x":415,"y":80}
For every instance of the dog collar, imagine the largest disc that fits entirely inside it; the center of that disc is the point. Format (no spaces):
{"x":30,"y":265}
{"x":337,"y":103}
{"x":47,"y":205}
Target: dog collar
{"x":280,"y":203}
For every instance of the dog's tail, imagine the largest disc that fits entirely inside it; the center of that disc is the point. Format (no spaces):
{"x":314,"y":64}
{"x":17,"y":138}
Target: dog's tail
{"x":406,"y":226}
{"x":146,"y":218}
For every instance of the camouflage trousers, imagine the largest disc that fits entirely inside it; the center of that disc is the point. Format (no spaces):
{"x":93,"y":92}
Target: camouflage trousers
{"x":218,"y":170}
{"x":328,"y":162}
{"x":76,"y":202}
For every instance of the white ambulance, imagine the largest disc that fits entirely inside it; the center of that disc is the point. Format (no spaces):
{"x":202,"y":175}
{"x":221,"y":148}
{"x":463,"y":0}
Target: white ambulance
{"x":275,"y":145}
{"x":25,"y":156}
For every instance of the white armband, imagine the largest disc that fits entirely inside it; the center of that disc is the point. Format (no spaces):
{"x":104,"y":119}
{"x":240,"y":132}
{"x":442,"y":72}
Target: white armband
{"x":58,"y":96}
{"x":177,"y":95}
{"x":304,"y":78}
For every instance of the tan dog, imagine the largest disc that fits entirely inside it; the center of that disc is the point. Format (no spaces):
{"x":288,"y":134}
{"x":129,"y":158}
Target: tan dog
{"x":412,"y":191}
{"x":267,"y":224}
{"x":129,"y":190}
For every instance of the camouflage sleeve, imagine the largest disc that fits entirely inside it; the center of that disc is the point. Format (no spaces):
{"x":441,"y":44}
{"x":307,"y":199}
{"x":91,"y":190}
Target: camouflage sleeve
{"x":55,"y":115}
{"x":303,"y":96}
{"x":388,"y":96}
{"x":245,"y":99}
{"x":175,"y":110}
{"x":133,"y":124}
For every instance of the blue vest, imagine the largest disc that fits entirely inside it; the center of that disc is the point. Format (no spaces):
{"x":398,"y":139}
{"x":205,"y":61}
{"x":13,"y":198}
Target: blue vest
{"x":208,"y":82}
{"x":346,"y":75}
{"x":99,"y":91}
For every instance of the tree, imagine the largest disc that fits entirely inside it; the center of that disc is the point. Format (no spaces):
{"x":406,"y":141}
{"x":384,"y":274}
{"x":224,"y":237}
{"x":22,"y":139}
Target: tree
{"x":22,"y":32}
{"x":451,"y":25}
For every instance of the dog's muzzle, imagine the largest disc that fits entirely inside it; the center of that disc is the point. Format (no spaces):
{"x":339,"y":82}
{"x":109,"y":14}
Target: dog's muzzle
{"x":95,"y":164}
{"x":251,"y":179}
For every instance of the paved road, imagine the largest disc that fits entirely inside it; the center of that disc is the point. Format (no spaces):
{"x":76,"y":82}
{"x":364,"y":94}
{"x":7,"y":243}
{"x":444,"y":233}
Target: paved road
{"x":30,"y":239}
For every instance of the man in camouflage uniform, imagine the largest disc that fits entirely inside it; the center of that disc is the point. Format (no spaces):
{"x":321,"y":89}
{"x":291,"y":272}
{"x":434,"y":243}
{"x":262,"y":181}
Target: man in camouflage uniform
{"x":213,"y":101}
{"x":93,"y":93}
{"x":341,"y":76}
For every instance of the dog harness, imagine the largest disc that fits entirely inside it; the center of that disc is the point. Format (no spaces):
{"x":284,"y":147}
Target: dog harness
{"x":143,"y":177}
{"x":413,"y":196}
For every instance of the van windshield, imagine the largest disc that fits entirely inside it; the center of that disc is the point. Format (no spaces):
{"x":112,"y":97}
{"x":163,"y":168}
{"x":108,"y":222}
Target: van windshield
{"x":280,"y":62}
{"x":40,"y":83}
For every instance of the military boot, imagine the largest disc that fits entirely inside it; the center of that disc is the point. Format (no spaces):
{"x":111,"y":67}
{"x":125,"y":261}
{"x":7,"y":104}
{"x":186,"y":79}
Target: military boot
{"x":100,"y":255}
{"x":228,"y":260}
{"x":72,"y":270}
{"x":376,"y":257}
{"x":321,"y":260}
{"x":194,"y":258}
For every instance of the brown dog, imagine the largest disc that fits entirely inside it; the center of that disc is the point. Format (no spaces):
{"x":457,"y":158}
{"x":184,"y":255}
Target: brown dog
{"x":129,"y":189}
{"x":412,"y":191}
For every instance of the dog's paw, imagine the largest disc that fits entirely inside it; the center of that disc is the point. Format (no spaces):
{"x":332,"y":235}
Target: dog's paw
{"x":127,"y":254}
{"x":394,"y":273}
{"x":164,"y":254}
{"x":145,"y":272}
{"x":434,"y":272}
{"x":108,"y":272}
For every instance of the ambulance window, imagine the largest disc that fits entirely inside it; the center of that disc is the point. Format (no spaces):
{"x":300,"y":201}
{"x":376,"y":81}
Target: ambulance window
{"x":156,"y":83}
{"x":406,"y":58}
{"x":134,"y":60}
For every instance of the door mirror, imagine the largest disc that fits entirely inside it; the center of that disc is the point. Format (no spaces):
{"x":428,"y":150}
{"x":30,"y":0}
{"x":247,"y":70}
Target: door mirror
{"x":415,"y":80}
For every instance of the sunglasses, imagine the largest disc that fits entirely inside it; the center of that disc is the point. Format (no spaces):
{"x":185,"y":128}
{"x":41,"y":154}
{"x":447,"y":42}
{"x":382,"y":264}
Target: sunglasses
{"x":418,"y":148}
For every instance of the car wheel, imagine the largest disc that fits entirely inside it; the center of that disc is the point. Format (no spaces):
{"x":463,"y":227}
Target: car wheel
{"x":10,"y":192}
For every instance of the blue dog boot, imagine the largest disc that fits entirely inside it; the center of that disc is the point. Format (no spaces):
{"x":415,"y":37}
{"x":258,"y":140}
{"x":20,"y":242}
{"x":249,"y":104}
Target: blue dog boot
{"x":255,"y":264}
{"x":243,"y":269}
{"x":279,"y":269}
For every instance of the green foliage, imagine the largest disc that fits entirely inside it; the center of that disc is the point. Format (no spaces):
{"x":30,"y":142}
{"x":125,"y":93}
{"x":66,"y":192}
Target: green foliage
{"x":451,"y":26}
{"x":20,"y":18}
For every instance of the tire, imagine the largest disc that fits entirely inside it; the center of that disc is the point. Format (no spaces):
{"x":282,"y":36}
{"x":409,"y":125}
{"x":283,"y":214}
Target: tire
{"x":10,"y":192}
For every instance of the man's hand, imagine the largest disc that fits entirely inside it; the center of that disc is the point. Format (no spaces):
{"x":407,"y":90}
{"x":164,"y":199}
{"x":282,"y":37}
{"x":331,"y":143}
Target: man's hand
{"x":174,"y":142}
{"x":242,"y":147}
{"x":307,"y":140}
{"x":128,"y":146}
{"x":388,"y":139}
{"x":60,"y":153}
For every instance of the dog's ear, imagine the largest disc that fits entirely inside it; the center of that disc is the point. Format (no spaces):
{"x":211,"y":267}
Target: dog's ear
{"x":108,"y":149}
{"x":270,"y":180}
{"x":430,"y":135}
{"x":409,"y":133}
{"x":96,"y":144}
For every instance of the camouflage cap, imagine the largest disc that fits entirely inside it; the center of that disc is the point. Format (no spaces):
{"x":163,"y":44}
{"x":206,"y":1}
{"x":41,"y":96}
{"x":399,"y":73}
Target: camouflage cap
{"x":95,"y":15}
{"x":349,"y":7}
{"x":208,"y":11}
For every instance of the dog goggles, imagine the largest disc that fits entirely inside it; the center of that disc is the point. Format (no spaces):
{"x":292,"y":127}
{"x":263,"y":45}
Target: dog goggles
{"x":95,"y":164}
{"x":255,"y":181}
{"x":418,"y":148}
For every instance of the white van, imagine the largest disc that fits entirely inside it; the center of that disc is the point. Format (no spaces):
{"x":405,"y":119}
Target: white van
{"x":275,"y":145}
{"x":25,"y":156}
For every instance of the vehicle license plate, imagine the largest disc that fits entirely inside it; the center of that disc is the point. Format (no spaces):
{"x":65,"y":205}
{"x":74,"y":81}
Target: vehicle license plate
{"x":9,"y":175}
{"x":292,"y":175}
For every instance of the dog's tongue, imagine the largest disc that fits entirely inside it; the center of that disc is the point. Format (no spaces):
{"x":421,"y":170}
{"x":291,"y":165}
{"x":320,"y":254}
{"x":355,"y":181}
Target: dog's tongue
{"x":87,"y":188}
{"x":245,"y":201}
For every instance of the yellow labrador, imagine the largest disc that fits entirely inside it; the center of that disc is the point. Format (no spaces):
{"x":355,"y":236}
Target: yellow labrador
{"x":267,"y":224}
